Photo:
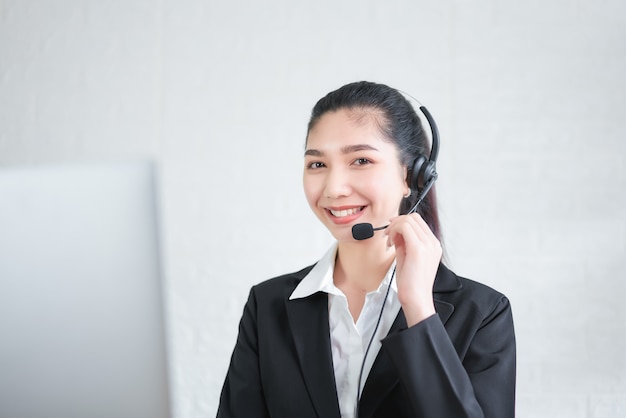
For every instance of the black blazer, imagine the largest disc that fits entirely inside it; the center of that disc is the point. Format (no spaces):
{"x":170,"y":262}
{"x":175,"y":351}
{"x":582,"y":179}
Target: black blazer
{"x":457,"y":363}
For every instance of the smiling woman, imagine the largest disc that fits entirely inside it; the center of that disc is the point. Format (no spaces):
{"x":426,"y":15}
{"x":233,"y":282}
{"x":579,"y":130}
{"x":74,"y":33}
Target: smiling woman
{"x":378,"y":327}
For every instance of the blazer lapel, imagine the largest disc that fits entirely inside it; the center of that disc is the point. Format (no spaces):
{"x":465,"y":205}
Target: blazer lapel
{"x":445,"y":282}
{"x":308,"y":319}
{"x":382,"y":378}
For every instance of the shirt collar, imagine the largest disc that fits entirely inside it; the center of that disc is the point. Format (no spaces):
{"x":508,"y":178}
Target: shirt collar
{"x":320,"y":278}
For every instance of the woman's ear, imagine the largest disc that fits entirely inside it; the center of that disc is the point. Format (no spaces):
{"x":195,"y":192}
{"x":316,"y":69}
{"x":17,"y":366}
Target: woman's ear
{"x":407,"y":181}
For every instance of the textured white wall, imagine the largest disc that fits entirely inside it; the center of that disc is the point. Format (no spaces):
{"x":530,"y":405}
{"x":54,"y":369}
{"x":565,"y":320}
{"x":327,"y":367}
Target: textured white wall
{"x":529,"y":98}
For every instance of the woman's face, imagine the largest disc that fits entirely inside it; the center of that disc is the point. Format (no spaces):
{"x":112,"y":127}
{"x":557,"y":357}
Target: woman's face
{"x":351,"y":173}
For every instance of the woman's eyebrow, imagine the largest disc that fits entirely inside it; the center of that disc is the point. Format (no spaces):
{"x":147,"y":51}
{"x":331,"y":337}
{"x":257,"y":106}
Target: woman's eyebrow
{"x":348,"y":149}
{"x":313,"y":153}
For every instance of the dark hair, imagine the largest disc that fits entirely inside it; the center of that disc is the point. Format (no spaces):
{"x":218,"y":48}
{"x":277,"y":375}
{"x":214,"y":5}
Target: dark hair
{"x":397,"y":121}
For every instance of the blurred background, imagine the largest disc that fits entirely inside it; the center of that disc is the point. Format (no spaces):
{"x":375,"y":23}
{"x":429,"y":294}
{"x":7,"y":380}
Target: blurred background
{"x":529,"y":98}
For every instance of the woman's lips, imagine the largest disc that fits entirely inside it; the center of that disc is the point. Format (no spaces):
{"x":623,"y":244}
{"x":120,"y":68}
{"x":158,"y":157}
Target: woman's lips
{"x":345,"y":215}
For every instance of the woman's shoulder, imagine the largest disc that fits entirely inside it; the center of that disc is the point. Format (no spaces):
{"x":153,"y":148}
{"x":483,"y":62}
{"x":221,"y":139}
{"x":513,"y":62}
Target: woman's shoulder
{"x":280,"y":284}
{"x":458,"y":290}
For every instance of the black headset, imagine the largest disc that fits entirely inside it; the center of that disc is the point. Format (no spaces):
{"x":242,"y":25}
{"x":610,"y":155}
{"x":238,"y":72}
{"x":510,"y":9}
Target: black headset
{"x":423,"y":172}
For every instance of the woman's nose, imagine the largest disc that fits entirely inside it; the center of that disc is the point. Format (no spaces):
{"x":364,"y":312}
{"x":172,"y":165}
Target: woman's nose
{"x":337,"y":184}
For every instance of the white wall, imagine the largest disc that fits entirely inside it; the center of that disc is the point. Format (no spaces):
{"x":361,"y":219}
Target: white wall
{"x":529,"y":98}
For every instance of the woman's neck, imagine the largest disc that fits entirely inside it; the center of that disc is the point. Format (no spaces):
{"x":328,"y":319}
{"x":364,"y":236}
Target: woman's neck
{"x":362,"y":264}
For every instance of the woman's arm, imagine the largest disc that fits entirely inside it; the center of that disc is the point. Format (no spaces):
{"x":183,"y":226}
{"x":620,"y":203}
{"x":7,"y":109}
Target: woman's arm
{"x":480,"y":381}
{"x":242,"y":396}
{"x":440,"y":384}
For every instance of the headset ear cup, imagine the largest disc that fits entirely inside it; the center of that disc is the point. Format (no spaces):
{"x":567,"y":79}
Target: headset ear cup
{"x":428,"y":172}
{"x":415,"y":176}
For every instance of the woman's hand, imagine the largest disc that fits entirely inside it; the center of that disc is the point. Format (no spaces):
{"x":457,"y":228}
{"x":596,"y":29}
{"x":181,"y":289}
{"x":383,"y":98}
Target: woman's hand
{"x":418,"y":253}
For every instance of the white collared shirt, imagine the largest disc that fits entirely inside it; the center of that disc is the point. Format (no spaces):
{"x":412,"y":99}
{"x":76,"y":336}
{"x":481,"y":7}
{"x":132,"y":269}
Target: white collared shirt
{"x":349,"y":340}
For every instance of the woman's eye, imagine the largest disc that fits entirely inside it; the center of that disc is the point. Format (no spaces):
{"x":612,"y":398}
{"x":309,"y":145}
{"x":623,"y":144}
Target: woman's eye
{"x":362,"y":161}
{"x":314,"y":165}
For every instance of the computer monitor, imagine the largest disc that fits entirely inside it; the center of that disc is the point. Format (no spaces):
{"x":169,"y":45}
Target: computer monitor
{"x":81,"y":310}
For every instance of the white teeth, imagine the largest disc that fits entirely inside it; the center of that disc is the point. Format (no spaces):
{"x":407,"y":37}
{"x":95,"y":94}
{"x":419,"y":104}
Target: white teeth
{"x":345,"y":212}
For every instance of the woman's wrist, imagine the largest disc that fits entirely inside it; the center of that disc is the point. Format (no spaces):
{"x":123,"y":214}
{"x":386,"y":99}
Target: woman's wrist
{"x":417,"y":312}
